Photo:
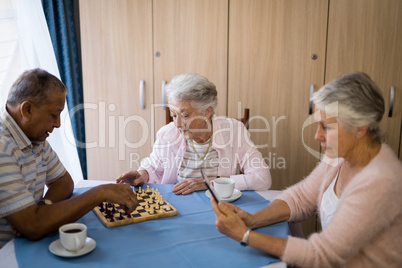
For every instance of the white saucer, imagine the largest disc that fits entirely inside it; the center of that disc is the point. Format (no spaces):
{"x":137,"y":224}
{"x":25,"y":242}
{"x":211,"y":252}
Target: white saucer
{"x":56,"y":248}
{"x":236,"y":195}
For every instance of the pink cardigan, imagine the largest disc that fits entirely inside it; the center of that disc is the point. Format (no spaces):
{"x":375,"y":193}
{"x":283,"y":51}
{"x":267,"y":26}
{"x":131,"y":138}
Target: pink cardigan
{"x":366,"y":230}
{"x":232,"y":142}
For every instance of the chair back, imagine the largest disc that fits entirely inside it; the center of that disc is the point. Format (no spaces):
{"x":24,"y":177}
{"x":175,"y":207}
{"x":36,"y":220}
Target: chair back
{"x":245,"y":117}
{"x":167,"y":116}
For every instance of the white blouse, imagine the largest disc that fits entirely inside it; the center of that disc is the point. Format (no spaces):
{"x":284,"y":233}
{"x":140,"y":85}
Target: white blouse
{"x":329,"y":203}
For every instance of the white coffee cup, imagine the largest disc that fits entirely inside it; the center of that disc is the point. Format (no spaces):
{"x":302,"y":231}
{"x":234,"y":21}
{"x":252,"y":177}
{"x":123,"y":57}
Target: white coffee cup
{"x":73,"y":236}
{"x":224,"y":187}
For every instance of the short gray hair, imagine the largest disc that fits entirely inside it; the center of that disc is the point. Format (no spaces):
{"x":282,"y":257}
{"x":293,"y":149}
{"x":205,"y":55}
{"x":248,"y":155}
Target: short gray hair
{"x":194,"y":88}
{"x":34,"y":85}
{"x":358,"y":101}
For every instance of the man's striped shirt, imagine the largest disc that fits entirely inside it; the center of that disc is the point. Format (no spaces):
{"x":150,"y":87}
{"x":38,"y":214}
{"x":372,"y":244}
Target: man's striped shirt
{"x":25,"y":168}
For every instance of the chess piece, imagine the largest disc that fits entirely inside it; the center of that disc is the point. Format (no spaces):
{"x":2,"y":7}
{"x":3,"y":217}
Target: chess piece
{"x":109,"y":215}
{"x":121,"y":216}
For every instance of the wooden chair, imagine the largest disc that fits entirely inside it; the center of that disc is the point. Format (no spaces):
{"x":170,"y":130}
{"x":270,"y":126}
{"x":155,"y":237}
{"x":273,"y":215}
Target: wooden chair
{"x":167,"y":116}
{"x":244,"y":119}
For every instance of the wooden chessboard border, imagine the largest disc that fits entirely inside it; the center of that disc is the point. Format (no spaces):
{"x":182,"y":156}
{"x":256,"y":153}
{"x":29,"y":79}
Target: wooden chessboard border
{"x":160,"y":213}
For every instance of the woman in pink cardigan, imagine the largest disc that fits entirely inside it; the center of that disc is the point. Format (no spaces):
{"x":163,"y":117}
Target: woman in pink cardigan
{"x":198,"y":139}
{"x":355,"y":189}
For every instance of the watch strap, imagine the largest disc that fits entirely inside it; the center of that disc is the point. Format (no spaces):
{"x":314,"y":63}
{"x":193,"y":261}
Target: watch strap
{"x":45,"y":201}
{"x":244,"y":241}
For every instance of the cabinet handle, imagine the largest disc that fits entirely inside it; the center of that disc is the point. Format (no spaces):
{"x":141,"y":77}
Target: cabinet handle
{"x":163,"y":94}
{"x":142,"y":94}
{"x":310,"y":104}
{"x":391,"y":101}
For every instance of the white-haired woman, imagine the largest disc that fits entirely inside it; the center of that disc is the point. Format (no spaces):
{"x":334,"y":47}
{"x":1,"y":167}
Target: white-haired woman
{"x":198,"y":139}
{"x":355,"y":189}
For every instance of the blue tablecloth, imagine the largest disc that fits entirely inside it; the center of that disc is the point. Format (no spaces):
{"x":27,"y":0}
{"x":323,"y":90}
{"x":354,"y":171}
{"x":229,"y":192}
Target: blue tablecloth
{"x":189,"y":239}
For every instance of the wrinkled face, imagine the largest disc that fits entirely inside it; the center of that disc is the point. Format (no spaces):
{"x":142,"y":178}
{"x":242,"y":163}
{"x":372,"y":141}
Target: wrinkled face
{"x":189,"y":120}
{"x":335,"y":139}
{"x":44,"y":118}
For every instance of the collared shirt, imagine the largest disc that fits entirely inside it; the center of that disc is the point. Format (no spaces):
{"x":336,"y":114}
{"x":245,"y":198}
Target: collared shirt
{"x":232,"y":142}
{"x":25,"y":168}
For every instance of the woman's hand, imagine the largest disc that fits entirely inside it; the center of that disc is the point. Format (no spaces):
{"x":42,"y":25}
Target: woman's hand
{"x":246,"y":217}
{"x":134,"y":177}
{"x":188,"y":186}
{"x":231,"y":220}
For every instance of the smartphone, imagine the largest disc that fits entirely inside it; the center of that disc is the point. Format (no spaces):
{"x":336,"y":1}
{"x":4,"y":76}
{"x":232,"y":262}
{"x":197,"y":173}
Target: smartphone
{"x":211,"y":190}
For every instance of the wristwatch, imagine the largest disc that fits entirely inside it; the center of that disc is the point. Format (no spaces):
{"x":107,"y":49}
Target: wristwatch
{"x":244,"y":241}
{"x":45,"y":201}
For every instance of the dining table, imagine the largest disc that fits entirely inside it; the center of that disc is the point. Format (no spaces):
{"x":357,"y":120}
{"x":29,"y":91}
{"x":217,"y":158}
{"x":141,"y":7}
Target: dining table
{"x":188,"y":239}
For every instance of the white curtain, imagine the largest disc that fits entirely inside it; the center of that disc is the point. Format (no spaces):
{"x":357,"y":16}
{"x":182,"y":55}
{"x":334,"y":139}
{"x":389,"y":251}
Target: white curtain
{"x":25,"y":44}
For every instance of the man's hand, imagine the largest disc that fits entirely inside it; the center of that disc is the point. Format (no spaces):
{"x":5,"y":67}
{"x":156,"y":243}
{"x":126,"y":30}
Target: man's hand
{"x":121,"y":194}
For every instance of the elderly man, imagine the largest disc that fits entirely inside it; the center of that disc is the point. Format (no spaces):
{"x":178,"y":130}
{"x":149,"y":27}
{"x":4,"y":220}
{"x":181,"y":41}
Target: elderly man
{"x":28,"y":163}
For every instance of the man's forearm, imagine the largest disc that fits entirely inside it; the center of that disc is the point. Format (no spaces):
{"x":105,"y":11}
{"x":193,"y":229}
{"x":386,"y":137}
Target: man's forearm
{"x":60,"y":189}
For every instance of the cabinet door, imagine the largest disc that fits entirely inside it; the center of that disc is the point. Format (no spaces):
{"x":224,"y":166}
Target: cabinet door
{"x":271,"y":69}
{"x":116,"y":41}
{"x":366,"y":35}
{"x":190,"y":36}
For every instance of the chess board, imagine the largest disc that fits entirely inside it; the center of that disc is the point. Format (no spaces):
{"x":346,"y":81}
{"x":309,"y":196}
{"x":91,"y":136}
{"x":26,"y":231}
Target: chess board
{"x":151,"y":206}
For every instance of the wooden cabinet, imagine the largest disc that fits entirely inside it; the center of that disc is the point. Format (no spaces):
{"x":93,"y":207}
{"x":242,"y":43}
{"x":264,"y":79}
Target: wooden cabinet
{"x":190,"y":36}
{"x":271,"y":70}
{"x":125,"y":42}
{"x":116,"y":43}
{"x":366,"y":35}
{"x":279,"y":50}
{"x":263,"y":55}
